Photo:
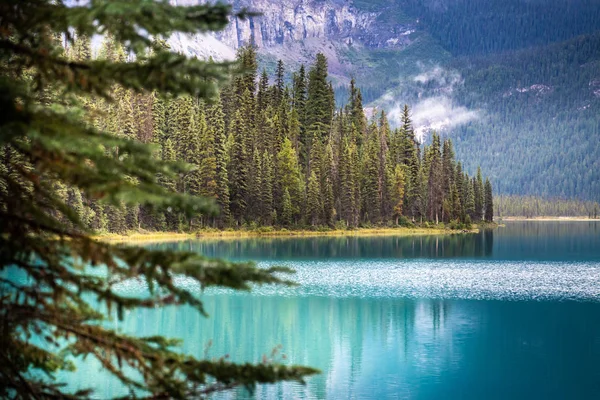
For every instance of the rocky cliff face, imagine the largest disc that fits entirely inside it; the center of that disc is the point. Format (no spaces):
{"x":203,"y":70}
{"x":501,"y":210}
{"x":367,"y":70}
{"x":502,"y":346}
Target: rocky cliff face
{"x":294,"y":30}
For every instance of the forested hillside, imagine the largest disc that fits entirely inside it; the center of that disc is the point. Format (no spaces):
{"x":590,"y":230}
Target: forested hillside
{"x":530,"y":207}
{"x":531,"y":72}
{"x":541,"y":128}
{"x":277,"y":154}
{"x":475,"y":27}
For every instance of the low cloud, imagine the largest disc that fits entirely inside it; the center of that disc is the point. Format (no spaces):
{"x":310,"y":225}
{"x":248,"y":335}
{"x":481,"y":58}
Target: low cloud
{"x":435,"y":109}
{"x":434,"y":113}
{"x":441,"y":77}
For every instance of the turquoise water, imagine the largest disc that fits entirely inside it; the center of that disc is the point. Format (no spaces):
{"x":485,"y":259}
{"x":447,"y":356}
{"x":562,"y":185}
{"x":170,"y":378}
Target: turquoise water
{"x":511,"y":313}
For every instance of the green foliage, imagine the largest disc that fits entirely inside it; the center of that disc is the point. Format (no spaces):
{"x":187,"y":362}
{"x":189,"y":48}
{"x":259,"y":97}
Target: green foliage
{"x":542,"y":116}
{"x":529,"y":207}
{"x":73,"y":135}
{"x":479,"y":27}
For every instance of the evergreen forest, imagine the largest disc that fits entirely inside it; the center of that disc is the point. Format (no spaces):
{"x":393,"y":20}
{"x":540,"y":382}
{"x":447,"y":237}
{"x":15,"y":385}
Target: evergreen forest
{"x":279,"y":153}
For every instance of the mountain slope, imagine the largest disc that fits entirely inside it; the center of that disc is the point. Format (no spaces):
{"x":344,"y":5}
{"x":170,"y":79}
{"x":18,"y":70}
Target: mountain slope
{"x":541,"y":133}
{"x":510,"y":80}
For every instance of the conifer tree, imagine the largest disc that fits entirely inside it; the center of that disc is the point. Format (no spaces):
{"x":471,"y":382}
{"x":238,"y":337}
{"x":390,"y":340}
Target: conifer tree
{"x":216,"y":126}
{"x":371,"y":183}
{"x":489,"y":201}
{"x":314,"y":207}
{"x":238,"y":173}
{"x":397,"y":192}
{"x":286,"y":208}
{"x":435,"y":192}
{"x":255,"y":188}
{"x":267,"y":188}
{"x":479,"y":194}
{"x":469,"y":197}
{"x":279,"y":82}
{"x":347,"y":182}
{"x":262,"y":97}
{"x":114,"y":167}
{"x":357,"y":115}
{"x":318,"y":106}
{"x":207,"y":167}
{"x":288,"y":176}
{"x":326,"y":170}
{"x":460,"y":189}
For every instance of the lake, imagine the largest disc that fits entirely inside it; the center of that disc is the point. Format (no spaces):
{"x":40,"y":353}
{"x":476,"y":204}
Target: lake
{"x":510,"y":313}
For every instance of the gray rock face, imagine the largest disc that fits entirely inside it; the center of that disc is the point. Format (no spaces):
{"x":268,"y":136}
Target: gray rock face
{"x":288,"y":21}
{"x":294,"y":30}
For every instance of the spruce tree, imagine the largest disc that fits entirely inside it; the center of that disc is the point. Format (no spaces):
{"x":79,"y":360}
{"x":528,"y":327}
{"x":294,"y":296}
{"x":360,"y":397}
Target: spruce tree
{"x":319,"y":108}
{"x":489,"y":201}
{"x":216,"y":126}
{"x":286,"y":208}
{"x":371,"y":184}
{"x":61,"y":145}
{"x":288,"y":176}
{"x":314,"y":206}
{"x":266,"y":197}
{"x":255,"y":188}
{"x":435,"y":194}
{"x":479,"y":194}
{"x":469,"y":197}
{"x":238,"y":172}
{"x":397,"y":192}
{"x":326,"y":170}
{"x":279,"y":82}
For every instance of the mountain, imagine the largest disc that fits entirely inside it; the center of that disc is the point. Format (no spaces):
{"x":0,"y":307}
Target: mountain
{"x":515,"y":83}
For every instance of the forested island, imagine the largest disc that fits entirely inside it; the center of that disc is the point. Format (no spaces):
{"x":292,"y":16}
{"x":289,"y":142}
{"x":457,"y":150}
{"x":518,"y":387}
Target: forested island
{"x":275,"y":154}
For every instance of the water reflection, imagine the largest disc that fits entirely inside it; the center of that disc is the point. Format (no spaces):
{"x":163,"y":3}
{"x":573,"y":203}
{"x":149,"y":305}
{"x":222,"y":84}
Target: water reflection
{"x":304,"y":248}
{"x":392,"y":348}
{"x":529,"y":240}
{"x":390,"y":317}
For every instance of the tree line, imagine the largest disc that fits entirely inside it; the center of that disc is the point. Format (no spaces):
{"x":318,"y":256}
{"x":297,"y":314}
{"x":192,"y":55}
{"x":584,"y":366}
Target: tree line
{"x":530,"y":206}
{"x":272,"y":152}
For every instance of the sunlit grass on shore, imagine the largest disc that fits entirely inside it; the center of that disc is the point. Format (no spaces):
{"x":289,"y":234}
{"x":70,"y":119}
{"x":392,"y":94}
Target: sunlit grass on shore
{"x":140,"y":236}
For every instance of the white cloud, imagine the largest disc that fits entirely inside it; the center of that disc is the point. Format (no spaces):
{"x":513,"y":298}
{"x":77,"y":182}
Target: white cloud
{"x":442,"y":77}
{"x":434,"y":113}
{"x":435,"y":109}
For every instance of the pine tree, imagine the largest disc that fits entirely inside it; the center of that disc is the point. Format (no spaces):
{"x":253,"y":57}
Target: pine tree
{"x":117,"y":170}
{"x":385,"y":167}
{"x":288,"y":176}
{"x":326,"y":169}
{"x":448,"y":179}
{"x":371,"y":183}
{"x":397,"y":192}
{"x":357,"y":115}
{"x":314,"y":207}
{"x":238,"y":173}
{"x":435,"y":194}
{"x":460,"y":189}
{"x":255,"y":188}
{"x":267,"y":188}
{"x":469,"y":197}
{"x":479,"y":196}
{"x":207,"y":167}
{"x":279,"y":82}
{"x":319,"y":108}
{"x":488,"y":201}
{"x":299,"y":94}
{"x":286,"y":208}
{"x":216,"y":126}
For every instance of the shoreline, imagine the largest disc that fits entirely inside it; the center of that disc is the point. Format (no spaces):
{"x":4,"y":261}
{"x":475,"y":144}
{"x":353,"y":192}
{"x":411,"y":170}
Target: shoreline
{"x":567,"y":219}
{"x":141,"y":237}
